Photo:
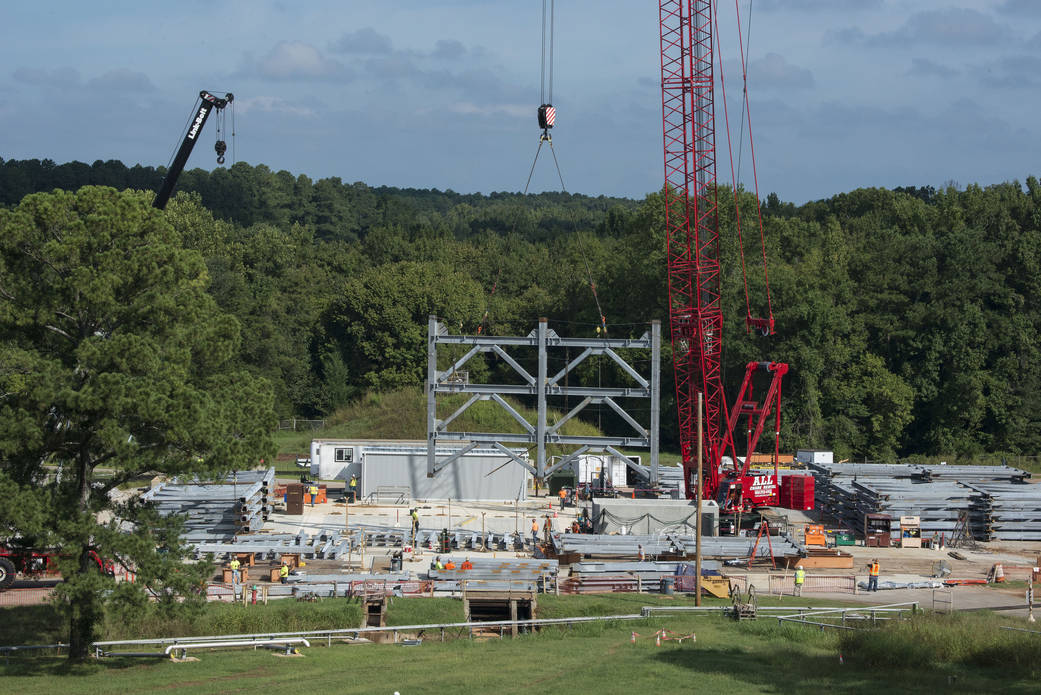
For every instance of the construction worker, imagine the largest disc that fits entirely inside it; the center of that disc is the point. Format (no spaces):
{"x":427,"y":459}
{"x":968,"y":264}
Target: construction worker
{"x":450,"y":565}
{"x":353,"y":485}
{"x":415,"y":522}
{"x":563,"y":498}
{"x":283,"y":572}
{"x":534,"y":531}
{"x":547,"y":529}
{"x":800,"y":577}
{"x":576,"y":527}
{"x":467,"y":565}
{"x":873,"y":570}
{"x":639,"y":553}
{"x":438,"y":564}
{"x":313,"y":491}
{"x":235,"y":575}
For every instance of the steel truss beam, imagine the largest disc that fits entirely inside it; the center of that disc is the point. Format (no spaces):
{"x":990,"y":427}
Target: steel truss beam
{"x":542,"y":387}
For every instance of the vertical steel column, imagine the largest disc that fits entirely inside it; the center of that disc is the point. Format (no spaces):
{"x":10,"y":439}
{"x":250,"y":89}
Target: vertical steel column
{"x":655,"y":401}
{"x":431,"y":401}
{"x":540,"y":427}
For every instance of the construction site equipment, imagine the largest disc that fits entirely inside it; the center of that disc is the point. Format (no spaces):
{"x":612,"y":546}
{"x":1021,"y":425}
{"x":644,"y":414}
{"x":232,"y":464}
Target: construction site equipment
{"x":688,"y":78}
{"x":910,"y":532}
{"x":796,"y":492}
{"x":815,"y":536}
{"x":877,"y":530}
{"x":206,"y":104}
{"x":744,"y":603}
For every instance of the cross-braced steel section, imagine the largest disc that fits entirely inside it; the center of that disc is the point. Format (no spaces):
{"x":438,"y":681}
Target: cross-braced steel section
{"x":542,"y":386}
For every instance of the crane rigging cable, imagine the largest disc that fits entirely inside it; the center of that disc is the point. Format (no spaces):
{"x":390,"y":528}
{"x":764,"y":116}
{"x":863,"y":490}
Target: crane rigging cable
{"x":763,"y":325}
{"x":547,"y":113}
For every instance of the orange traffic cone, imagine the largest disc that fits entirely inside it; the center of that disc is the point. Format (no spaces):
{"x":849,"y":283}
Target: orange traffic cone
{"x":999,"y":573}
{"x":633,"y":638}
{"x":841,"y":660}
{"x":657,"y":639}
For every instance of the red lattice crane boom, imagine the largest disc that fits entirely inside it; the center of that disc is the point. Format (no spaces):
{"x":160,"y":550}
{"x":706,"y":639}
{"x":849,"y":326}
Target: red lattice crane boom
{"x":692,"y":234}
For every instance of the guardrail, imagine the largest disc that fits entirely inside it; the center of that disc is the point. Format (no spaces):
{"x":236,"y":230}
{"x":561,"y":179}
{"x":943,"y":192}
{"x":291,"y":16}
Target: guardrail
{"x":872,"y":613}
{"x":358,"y":632}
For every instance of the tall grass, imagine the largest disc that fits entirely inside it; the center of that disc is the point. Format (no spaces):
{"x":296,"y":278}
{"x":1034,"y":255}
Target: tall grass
{"x":933,"y":640}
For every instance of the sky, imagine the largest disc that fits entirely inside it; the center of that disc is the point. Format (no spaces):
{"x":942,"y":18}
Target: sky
{"x":443,"y":94}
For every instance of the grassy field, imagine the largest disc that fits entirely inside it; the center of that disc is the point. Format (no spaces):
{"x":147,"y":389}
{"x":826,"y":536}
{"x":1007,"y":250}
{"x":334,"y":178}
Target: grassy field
{"x":964,"y":653}
{"x":401,"y":414}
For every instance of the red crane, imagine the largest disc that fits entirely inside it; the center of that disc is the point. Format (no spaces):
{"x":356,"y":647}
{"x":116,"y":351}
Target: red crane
{"x":692,"y":234}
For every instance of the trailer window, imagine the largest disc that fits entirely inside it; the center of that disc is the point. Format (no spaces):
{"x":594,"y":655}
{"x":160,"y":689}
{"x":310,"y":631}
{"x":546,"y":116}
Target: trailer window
{"x":345,"y":454}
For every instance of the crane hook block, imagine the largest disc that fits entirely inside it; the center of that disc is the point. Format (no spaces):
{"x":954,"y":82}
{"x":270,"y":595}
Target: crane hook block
{"x":221,"y":147}
{"x":547,"y":116}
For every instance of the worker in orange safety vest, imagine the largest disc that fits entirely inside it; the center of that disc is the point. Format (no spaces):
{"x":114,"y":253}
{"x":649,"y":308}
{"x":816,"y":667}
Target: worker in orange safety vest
{"x":873,"y":570}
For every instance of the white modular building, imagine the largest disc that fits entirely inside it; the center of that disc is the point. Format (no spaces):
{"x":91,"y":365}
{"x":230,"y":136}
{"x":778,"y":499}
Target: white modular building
{"x":394,"y":470}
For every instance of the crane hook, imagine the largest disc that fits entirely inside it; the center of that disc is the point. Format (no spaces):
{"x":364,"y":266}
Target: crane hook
{"x":221,"y":147}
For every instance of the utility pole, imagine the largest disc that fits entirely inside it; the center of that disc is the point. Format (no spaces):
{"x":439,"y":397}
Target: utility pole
{"x":697,"y":513}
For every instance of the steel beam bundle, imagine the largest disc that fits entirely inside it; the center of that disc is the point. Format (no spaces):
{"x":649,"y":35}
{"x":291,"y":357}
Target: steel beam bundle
{"x":996,"y":500}
{"x":673,"y":544}
{"x":1009,"y":511}
{"x":216,"y":510}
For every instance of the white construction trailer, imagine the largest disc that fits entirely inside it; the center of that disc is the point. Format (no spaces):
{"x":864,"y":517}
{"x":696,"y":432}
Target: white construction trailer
{"x":396,"y":470}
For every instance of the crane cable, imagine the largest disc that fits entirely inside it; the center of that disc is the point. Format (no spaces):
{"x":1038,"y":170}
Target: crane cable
{"x":546,"y":111}
{"x":766,"y":326}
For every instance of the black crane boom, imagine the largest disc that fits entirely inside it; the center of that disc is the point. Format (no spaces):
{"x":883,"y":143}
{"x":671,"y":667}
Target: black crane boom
{"x":207,"y":103}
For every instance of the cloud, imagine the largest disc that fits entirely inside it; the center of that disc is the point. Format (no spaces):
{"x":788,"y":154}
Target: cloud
{"x":952,"y":27}
{"x":923,"y":67}
{"x":296,"y":60}
{"x":58,"y":77}
{"x":1016,"y":72}
{"x":773,"y":71}
{"x":272,"y":105}
{"x":449,"y":49}
{"x":1020,"y":8}
{"x":365,"y":41}
{"x":124,"y":80}
{"x":470,"y":109}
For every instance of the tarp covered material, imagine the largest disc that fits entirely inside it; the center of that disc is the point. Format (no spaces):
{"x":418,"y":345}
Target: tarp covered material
{"x":903,"y":585}
{"x":481,"y":474}
{"x":388,"y":471}
{"x":628,"y":516}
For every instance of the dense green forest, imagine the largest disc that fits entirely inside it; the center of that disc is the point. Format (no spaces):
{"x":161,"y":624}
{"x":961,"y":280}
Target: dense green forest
{"x":910,"y":317}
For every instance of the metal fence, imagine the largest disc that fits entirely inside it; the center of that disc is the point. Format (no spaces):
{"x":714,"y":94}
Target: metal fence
{"x":784,"y":584}
{"x":300,"y":425}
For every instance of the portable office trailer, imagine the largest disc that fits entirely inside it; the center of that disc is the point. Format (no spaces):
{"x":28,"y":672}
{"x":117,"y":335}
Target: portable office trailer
{"x":814,"y":456}
{"x":592,"y":468}
{"x":387,"y":468}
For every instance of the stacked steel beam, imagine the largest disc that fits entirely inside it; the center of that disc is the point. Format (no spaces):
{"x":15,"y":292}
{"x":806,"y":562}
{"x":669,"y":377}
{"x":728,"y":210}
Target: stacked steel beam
{"x":937,"y":505}
{"x":1009,"y":511}
{"x":673,"y":545}
{"x":996,"y":500}
{"x":216,"y":510}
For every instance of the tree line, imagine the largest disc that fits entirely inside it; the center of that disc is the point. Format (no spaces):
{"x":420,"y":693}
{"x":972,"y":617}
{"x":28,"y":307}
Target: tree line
{"x":909,"y":316}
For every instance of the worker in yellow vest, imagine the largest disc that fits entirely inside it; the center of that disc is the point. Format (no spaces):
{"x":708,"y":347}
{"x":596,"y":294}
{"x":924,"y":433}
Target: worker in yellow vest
{"x":283,"y":572}
{"x":800,"y":577}
{"x":313,"y":490}
{"x":873,"y":570}
{"x":353,"y":485}
{"x":234,"y":565}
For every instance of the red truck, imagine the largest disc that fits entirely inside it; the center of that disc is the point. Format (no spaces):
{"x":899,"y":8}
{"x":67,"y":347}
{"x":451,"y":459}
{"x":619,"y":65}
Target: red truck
{"x":30,"y":563}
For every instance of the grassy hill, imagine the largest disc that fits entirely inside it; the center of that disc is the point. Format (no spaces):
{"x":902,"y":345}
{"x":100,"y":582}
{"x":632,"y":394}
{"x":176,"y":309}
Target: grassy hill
{"x":402,"y":414}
